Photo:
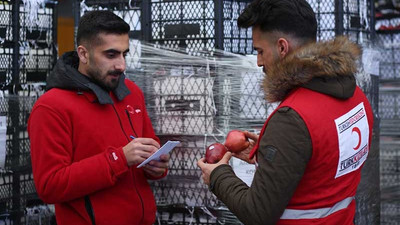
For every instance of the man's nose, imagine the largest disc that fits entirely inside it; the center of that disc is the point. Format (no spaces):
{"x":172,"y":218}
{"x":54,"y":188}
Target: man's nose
{"x":259,"y":61}
{"x":120,"y":64}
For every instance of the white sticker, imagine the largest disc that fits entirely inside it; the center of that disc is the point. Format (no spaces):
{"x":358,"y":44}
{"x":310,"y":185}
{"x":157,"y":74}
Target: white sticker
{"x":243,"y":170}
{"x":371,"y":60}
{"x":353,"y":137}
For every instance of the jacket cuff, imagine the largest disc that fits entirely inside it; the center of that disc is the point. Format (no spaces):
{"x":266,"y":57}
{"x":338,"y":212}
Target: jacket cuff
{"x":217,"y":173}
{"x":148,"y":176}
{"x":116,"y":159}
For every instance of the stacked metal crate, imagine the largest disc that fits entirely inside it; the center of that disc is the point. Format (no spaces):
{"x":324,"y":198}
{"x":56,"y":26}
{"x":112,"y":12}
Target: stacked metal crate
{"x":207,"y":95}
{"x":27,"y":55}
{"x":388,"y":32}
{"x":198,"y":102}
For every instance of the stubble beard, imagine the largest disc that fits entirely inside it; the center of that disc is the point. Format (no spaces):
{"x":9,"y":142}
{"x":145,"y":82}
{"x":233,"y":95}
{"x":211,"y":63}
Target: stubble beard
{"x":102,"y":80}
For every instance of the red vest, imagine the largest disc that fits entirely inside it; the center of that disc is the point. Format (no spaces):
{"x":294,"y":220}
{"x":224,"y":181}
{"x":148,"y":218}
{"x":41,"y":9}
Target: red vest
{"x":340,"y":132}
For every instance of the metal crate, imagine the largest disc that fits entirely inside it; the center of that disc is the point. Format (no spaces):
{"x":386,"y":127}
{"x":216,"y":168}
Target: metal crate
{"x":390,"y":61}
{"x":389,"y":110}
{"x":182,"y":197}
{"x":183,"y":184}
{"x":390,"y":179}
{"x":390,"y":161}
{"x":195,"y":95}
{"x":200,"y":26}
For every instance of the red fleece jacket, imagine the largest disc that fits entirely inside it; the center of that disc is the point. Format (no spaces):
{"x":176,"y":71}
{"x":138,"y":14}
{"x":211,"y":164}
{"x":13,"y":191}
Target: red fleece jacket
{"x":76,"y":150}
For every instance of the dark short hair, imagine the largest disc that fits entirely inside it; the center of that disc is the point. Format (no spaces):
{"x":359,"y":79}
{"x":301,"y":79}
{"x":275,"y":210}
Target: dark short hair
{"x":95,"y":22}
{"x":294,"y":17}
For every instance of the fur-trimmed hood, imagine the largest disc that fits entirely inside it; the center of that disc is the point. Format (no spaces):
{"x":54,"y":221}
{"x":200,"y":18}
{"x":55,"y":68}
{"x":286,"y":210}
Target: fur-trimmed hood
{"x":331,"y":60}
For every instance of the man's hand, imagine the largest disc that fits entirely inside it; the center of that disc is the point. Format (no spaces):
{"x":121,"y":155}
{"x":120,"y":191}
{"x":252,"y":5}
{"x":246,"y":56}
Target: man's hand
{"x":206,"y":168}
{"x":139,"y":149}
{"x":157,"y":168}
{"x":244,"y":154}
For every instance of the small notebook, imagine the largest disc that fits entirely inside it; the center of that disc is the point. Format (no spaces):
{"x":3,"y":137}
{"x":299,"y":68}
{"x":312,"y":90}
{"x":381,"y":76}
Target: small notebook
{"x":165,"y":149}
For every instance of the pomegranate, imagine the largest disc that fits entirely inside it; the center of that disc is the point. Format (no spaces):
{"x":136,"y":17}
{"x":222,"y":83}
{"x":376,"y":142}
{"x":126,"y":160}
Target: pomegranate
{"x":215,"y":152}
{"x":236,"y":141}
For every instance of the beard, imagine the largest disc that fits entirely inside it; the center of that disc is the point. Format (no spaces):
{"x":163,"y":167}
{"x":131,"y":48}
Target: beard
{"x":101,"y":79}
{"x":275,"y":60}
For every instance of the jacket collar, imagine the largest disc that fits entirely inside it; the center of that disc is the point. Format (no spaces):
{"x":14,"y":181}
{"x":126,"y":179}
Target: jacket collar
{"x":103,"y":96}
{"x":65,"y":75}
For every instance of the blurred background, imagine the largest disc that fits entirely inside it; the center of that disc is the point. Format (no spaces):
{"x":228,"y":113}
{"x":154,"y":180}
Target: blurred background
{"x":198,"y":72}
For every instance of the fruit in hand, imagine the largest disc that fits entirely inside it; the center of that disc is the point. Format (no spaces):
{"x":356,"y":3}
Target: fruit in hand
{"x":236,"y":141}
{"x":215,"y":152}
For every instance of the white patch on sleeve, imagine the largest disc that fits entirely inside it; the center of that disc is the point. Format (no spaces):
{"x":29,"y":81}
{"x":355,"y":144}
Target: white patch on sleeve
{"x":353,"y":136}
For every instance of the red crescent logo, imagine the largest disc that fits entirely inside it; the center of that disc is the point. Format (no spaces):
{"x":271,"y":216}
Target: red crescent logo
{"x":357,"y":130}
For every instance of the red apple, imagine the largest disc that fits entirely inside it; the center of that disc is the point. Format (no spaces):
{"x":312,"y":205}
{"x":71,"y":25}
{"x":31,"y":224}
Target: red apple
{"x":215,"y":152}
{"x":236,"y":141}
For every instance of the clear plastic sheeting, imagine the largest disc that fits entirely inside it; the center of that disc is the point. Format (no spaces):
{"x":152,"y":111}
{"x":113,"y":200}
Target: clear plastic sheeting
{"x":197,"y":100}
{"x":200,"y":95}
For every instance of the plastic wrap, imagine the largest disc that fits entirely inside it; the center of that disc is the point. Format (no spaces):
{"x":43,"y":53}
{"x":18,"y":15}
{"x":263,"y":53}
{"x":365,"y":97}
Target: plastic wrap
{"x":198,"y":100}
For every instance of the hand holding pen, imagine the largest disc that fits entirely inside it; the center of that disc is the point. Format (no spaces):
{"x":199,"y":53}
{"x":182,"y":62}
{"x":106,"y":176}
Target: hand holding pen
{"x":156,"y":168}
{"x":139,"y":149}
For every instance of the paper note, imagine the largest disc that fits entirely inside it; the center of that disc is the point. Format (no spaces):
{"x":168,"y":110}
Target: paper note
{"x":165,"y":149}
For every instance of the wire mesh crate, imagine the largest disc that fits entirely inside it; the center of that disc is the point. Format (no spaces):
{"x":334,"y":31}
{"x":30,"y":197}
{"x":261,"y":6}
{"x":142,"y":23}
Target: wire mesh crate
{"x":200,"y":25}
{"x":38,"y":51}
{"x":389,"y":110}
{"x":197,"y":95}
{"x":27,"y":55}
{"x":390,"y":212}
{"x":390,"y":61}
{"x":184,"y":105}
{"x":182,"y":197}
{"x":17,"y":110}
{"x":390,"y":161}
{"x":390,"y":179}
{"x":5,"y":45}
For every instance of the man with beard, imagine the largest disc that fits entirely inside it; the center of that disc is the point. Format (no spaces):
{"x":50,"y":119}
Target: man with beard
{"x":312,"y":147}
{"x":90,"y":130}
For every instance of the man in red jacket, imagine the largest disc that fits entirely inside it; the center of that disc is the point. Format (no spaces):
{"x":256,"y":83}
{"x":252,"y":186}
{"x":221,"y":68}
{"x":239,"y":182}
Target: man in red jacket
{"x":90,"y":130}
{"x":312,"y":147}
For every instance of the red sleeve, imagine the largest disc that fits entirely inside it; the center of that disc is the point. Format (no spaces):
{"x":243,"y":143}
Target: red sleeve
{"x":57,"y":178}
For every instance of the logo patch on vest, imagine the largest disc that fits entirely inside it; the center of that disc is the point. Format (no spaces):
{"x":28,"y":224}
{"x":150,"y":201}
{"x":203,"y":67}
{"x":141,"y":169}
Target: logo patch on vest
{"x":353,"y":137}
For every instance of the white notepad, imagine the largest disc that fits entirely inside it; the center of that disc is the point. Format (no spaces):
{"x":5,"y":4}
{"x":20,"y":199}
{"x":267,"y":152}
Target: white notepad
{"x":165,"y":149}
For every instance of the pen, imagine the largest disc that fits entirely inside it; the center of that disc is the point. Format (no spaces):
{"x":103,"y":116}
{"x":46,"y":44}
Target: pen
{"x":132,"y":137}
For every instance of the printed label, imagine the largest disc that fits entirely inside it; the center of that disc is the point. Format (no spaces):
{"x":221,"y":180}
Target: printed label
{"x":353,"y":137}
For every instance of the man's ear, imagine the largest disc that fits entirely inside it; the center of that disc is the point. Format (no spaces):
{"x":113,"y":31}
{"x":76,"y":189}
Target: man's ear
{"x":83,"y":54}
{"x":283,"y":47}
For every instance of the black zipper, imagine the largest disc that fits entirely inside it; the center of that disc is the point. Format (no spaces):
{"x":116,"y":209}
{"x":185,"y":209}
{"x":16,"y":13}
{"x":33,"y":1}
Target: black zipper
{"x":120,"y":123}
{"x":89,"y":209}
{"x":130,"y":122}
{"x":133,"y":175}
{"x":140,"y":197}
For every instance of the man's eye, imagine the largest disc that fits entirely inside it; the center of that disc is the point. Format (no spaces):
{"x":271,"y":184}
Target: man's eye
{"x":110,"y":55}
